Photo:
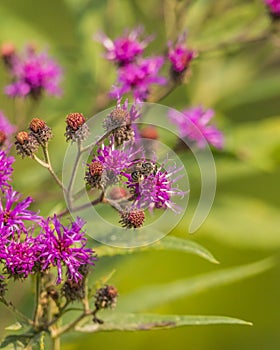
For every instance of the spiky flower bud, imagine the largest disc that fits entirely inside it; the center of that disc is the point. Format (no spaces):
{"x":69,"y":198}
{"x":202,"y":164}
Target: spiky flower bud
{"x":132,"y":219}
{"x":76,"y":129}
{"x":40,"y":130}
{"x":3,"y":138}
{"x":73,"y":290}
{"x":106,"y":297}
{"x":26,"y":144}
{"x":118,"y":123}
{"x":94,"y":174}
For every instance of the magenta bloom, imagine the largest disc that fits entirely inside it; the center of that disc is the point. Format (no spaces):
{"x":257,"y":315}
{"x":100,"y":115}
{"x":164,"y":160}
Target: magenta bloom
{"x":5,"y":170}
{"x":192,"y":123}
{"x":126,"y":48}
{"x":274,"y":7}
{"x":179,"y":55}
{"x":137,"y":77}
{"x":19,"y":257}
{"x":5,"y":126}
{"x":156,"y":190}
{"x":64,"y":246}
{"x":14,"y":215}
{"x":33,"y":74}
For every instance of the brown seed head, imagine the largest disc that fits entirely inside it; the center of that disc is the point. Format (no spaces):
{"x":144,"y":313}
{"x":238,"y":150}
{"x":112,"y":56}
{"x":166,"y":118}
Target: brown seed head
{"x":37,"y":124}
{"x":21,"y":137}
{"x":75,"y":120}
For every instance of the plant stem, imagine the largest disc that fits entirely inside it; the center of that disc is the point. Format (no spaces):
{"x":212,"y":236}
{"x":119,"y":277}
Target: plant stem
{"x":37,"y":299}
{"x":55,"y":343}
{"x":48,"y":166}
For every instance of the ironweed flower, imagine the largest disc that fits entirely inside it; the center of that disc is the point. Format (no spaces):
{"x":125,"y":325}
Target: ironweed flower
{"x":119,"y":122}
{"x":5,"y":170}
{"x":15,"y":215}
{"x":125,"y":49}
{"x":40,"y":130}
{"x":137,"y":77}
{"x":33,"y":74}
{"x":64,"y":246}
{"x":273,"y":7}
{"x":20,"y":256}
{"x":26,"y":144}
{"x":192,"y":123}
{"x":76,"y":127}
{"x":132,"y":219}
{"x":179,"y":56}
{"x":155,"y":190}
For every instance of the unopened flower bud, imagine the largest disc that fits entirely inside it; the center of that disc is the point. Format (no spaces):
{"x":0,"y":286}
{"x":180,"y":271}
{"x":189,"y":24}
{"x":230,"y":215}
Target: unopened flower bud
{"x":106,"y":297}
{"x":7,"y":53}
{"x":76,"y":129}
{"x":26,"y":144}
{"x":40,"y":130}
{"x":132,"y":219}
{"x":3,"y":138}
{"x":94,"y":174}
{"x":74,"y":290}
{"x":149,"y":132}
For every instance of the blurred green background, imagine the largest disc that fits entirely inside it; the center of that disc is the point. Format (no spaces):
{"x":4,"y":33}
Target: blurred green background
{"x":242,"y":83}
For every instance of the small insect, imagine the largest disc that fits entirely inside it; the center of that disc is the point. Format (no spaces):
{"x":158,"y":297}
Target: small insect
{"x":147,"y":168}
{"x":137,"y":176}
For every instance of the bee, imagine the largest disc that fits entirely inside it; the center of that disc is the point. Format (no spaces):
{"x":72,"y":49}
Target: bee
{"x":142,"y":170}
{"x":147,"y":168}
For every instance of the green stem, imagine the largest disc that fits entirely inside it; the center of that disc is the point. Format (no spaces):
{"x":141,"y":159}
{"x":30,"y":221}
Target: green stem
{"x":73,"y":174}
{"x":55,"y":343}
{"x":37,"y":299}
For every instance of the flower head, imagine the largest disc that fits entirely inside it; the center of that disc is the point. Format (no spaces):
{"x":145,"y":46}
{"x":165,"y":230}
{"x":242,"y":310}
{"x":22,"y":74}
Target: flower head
{"x":15,"y":215}
{"x":33,"y":74}
{"x":179,"y":55}
{"x":125,"y":49}
{"x":192,"y":123}
{"x":64,"y":246}
{"x":155,"y":190}
{"x":274,"y":7}
{"x":20,"y":256}
{"x":76,"y":127}
{"x":5,"y":170}
{"x":137,"y":77}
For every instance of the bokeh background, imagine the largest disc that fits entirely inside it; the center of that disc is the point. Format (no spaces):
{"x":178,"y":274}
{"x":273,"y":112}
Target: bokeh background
{"x":242,"y":83}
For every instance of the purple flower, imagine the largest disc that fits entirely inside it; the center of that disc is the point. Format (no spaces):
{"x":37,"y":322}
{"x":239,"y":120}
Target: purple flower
{"x":137,"y":77}
{"x":19,"y":257}
{"x":155,"y":190}
{"x":192,"y":123}
{"x":64,"y":246}
{"x":114,"y":161}
{"x":274,"y":7}
{"x":5,"y":126}
{"x":14,"y":214}
{"x":33,"y":74}
{"x":126,"y":48}
{"x":179,"y":55}
{"x":5,"y":170}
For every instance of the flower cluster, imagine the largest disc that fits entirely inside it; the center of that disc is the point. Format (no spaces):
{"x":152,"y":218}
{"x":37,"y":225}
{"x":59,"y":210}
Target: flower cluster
{"x":32,"y":73}
{"x":193,"y":125}
{"x":136,"y":73}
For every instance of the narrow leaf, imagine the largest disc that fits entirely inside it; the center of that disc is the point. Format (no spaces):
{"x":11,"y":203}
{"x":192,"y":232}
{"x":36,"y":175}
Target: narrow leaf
{"x":167,"y":243}
{"x":145,"y":322}
{"x":154,"y":295}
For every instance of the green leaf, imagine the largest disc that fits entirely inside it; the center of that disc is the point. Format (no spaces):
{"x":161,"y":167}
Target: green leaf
{"x":145,"y":322}
{"x":153,"y":295}
{"x":167,"y":243}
